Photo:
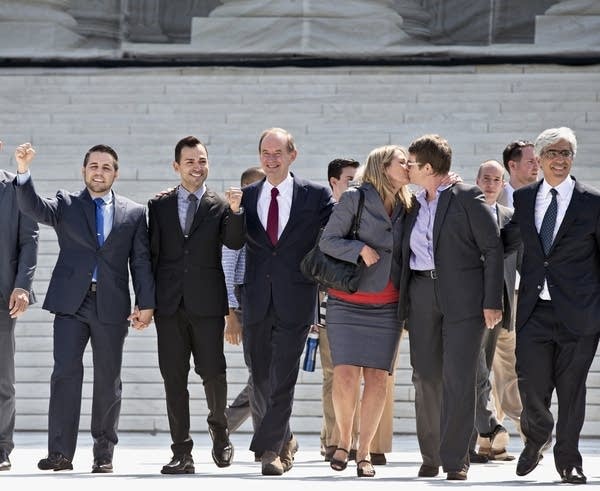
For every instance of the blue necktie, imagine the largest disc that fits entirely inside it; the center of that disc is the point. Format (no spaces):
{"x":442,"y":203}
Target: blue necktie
{"x":99,"y":202}
{"x":549,"y":222}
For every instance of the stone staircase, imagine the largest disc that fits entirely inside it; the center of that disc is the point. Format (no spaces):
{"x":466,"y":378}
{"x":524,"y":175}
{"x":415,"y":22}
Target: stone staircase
{"x":332,"y":112}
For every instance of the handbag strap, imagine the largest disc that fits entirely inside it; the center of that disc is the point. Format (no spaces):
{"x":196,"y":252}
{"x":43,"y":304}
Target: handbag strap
{"x":356,"y":222}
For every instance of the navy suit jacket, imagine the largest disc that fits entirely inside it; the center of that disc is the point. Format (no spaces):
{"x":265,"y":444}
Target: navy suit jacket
{"x":572,"y":266}
{"x":19,"y":244}
{"x":273,"y":272}
{"x":72,"y":215}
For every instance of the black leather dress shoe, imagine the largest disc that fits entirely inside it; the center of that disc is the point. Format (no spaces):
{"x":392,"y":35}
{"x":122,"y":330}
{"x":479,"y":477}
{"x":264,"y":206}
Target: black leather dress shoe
{"x":180,"y":464}
{"x":573,"y":475}
{"x":428,"y":471}
{"x":529,"y":459}
{"x":4,"y":461}
{"x":55,"y":462}
{"x":222,"y":450}
{"x":102,"y":466}
{"x":476,"y":458}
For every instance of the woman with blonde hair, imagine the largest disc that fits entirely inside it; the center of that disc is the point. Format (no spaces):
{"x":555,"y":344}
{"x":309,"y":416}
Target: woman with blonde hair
{"x":363,"y":327}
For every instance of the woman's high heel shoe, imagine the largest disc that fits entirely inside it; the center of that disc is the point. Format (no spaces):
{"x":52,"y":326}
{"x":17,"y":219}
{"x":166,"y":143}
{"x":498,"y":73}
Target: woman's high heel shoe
{"x":337,"y":464}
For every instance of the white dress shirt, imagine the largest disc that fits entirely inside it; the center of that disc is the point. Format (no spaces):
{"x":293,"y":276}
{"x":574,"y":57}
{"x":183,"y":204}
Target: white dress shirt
{"x":284,"y":202}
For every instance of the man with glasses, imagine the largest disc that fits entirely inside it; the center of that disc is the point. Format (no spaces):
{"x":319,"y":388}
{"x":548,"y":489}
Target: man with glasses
{"x":558,"y":221}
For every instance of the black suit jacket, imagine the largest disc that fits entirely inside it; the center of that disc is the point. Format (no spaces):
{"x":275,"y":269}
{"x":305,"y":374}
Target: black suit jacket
{"x":72,"y":215}
{"x":191,"y":269}
{"x":572,"y":266}
{"x":468,"y":254}
{"x":19,"y":244}
{"x":273,"y":272}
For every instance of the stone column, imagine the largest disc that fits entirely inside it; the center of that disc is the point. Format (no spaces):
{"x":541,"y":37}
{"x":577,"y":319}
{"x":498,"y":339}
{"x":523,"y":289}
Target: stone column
{"x":299,"y":26}
{"x":416,"y":18}
{"x":570,"y":22}
{"x":99,"y":21}
{"x":142,"y":23}
{"x":44,"y":25}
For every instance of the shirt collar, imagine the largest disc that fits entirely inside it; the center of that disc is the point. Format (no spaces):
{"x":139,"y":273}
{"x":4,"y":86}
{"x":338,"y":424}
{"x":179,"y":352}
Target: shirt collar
{"x":285,"y":187}
{"x":563,"y":189}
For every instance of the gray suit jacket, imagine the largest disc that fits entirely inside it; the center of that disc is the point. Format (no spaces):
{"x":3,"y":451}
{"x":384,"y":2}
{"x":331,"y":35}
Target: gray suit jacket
{"x":126,"y":249}
{"x":510,"y":273}
{"x":468,"y":254}
{"x":377,"y":229}
{"x":18,"y":246}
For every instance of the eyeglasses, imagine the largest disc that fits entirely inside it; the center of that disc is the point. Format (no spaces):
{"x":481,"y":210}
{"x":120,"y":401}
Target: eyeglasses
{"x":552,"y":154}
{"x":410,"y":163}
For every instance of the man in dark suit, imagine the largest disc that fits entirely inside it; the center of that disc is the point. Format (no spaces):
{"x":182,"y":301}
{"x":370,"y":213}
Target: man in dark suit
{"x":283,"y":215}
{"x":188,"y":228}
{"x":18,"y":259}
{"x":101,"y":236}
{"x":452,"y":280}
{"x":558,"y":307}
{"x":493,"y":436}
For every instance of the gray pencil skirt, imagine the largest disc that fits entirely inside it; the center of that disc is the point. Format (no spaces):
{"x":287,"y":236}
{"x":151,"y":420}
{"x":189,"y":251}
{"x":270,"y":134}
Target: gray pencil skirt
{"x":363,"y":335}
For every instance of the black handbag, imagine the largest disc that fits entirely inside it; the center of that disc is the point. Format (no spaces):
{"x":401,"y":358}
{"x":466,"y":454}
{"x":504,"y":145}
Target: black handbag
{"x":329,"y":271}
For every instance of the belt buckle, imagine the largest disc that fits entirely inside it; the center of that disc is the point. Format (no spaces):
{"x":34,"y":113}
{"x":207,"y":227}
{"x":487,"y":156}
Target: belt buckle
{"x":433,"y":274}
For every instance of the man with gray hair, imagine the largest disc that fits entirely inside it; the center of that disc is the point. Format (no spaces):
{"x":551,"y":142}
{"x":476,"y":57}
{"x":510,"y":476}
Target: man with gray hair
{"x":558,"y":221}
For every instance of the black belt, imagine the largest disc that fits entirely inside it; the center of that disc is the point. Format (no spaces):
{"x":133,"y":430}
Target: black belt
{"x":93,"y":287}
{"x":427,"y":273}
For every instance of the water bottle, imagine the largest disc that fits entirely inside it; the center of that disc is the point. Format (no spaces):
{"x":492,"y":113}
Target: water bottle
{"x":310,"y":358}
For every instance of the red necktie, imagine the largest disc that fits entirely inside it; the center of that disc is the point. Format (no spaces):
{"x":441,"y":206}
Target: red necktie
{"x":273,"y":217}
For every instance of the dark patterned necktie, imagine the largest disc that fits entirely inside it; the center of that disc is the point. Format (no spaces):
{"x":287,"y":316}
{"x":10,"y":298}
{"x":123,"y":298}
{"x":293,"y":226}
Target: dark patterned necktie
{"x":191,"y":212}
{"x":549,"y":222}
{"x":273,"y":217}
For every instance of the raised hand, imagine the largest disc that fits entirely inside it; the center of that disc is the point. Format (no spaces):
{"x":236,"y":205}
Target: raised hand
{"x":24,"y":154}
{"x":234,"y":198}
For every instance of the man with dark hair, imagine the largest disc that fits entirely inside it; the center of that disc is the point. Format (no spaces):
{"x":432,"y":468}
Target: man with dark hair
{"x":450,"y":237}
{"x":188,"y":227}
{"x":522,"y":168}
{"x":102,"y":237}
{"x":18,"y":259}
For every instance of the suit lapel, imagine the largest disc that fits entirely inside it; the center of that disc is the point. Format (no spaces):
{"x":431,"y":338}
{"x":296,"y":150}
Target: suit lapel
{"x":298,"y":200}
{"x":574,"y":206}
{"x":206,"y":203}
{"x":440,"y":213}
{"x":527,"y":219}
{"x":89,"y":210}
{"x":118,"y":216}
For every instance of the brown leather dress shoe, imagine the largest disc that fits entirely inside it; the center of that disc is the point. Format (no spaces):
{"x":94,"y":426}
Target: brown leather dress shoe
{"x":573,"y":475}
{"x":287,"y":454}
{"x":271,"y":464}
{"x":428,"y":471}
{"x":378,"y":459}
{"x":456,"y":475}
{"x":180,"y":464}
